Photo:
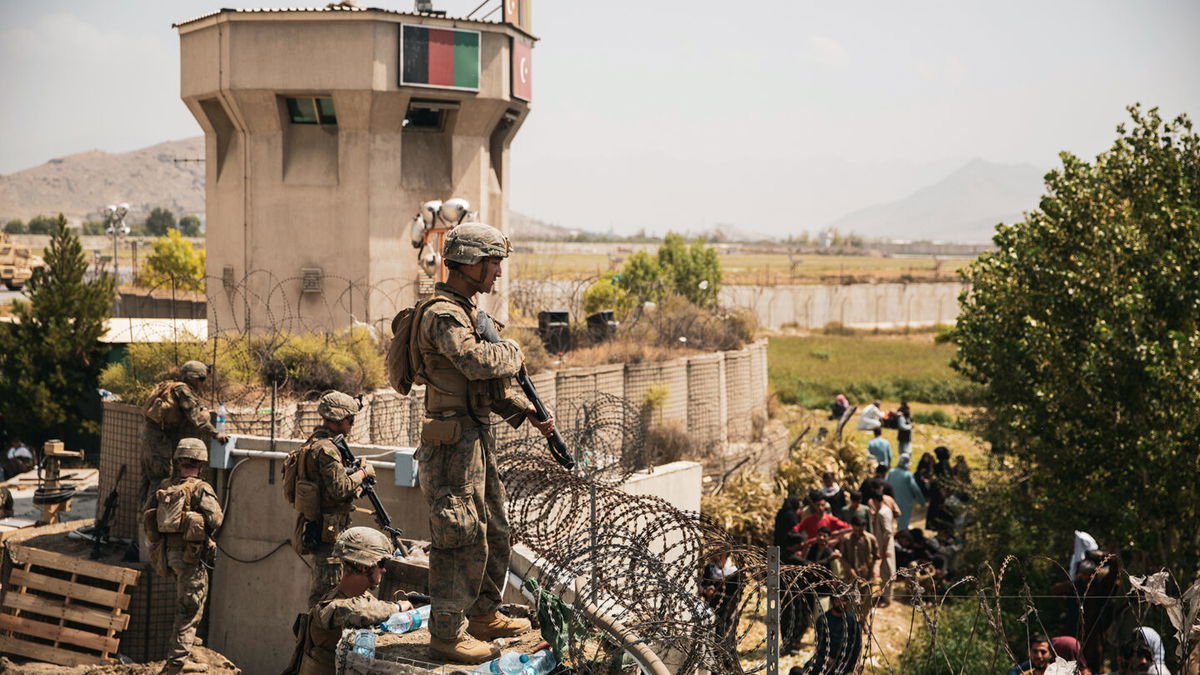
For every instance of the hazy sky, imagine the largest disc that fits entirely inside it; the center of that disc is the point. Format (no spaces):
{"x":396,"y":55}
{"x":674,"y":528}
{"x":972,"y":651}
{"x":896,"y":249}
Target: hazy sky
{"x":772,"y":115}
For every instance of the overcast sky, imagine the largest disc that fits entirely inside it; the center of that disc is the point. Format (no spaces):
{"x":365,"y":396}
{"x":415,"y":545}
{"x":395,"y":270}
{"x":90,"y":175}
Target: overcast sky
{"x":765,"y":115}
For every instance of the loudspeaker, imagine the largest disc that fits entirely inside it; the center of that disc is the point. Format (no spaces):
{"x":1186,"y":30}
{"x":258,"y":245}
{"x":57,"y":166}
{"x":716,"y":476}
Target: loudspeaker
{"x":554,"y":327}
{"x":602,"y":326}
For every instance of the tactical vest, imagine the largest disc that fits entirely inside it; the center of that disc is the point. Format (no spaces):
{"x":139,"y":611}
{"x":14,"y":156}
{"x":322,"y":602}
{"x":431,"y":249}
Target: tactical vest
{"x":448,"y":393}
{"x":310,"y":471}
{"x":320,"y":644}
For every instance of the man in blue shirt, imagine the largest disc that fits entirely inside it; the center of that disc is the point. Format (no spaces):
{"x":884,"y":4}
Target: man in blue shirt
{"x":880,"y":448}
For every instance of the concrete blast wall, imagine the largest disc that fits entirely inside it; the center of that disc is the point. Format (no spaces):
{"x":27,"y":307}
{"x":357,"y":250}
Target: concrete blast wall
{"x":855,"y":305}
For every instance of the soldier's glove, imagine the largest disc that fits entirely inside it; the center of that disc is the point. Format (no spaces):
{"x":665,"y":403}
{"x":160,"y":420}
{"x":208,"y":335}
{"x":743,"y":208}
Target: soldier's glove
{"x":368,"y":471}
{"x":222,"y":438}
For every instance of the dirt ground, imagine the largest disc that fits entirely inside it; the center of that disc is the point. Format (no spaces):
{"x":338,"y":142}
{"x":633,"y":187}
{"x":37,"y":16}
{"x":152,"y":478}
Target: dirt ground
{"x":217,"y":665}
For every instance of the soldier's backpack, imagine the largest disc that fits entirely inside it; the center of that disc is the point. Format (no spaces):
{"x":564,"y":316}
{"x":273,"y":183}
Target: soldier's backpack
{"x":402,"y":356}
{"x":162,"y":407}
{"x":174,"y":513}
{"x":301,"y":492}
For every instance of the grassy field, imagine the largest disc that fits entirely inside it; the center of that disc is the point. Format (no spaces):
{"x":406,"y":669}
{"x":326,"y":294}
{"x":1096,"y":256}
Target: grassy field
{"x":812,"y":370}
{"x":762,"y":269}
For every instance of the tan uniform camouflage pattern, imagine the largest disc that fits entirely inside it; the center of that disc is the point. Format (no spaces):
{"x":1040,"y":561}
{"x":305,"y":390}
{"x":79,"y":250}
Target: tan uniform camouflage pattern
{"x":327,"y":619}
{"x":186,"y":562}
{"x":159,"y":443}
{"x":323,"y":464}
{"x":466,"y":377}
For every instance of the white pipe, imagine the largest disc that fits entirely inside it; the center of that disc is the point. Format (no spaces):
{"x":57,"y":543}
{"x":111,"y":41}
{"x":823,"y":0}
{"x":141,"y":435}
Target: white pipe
{"x":270,"y":454}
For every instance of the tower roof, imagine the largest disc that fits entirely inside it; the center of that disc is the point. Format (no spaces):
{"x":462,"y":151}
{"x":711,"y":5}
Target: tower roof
{"x":333,"y":9}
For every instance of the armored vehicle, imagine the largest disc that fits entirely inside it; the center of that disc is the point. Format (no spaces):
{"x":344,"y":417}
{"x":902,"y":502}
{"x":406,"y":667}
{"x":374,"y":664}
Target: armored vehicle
{"x":17,"y":264}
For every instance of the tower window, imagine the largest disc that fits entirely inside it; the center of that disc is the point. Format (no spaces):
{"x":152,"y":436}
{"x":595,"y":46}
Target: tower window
{"x":427,"y":114}
{"x":311,"y":110}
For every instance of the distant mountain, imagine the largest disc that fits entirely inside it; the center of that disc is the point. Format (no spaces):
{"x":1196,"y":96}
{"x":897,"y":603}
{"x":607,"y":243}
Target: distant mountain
{"x":962,"y":207}
{"x":81,"y":185}
{"x":528,"y":228}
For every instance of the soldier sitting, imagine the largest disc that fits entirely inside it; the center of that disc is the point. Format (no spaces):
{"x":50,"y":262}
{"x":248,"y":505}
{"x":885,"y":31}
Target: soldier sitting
{"x":181,"y":518}
{"x":350,"y":604}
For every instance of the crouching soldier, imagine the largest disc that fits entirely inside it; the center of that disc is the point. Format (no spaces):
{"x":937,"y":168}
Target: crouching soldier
{"x":181,"y":519}
{"x":350,"y":604}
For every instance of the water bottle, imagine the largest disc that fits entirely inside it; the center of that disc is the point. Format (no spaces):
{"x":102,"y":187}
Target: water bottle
{"x":510,"y":663}
{"x":540,"y":663}
{"x":407,"y":622}
{"x":222,"y":414}
{"x":364,"y":643}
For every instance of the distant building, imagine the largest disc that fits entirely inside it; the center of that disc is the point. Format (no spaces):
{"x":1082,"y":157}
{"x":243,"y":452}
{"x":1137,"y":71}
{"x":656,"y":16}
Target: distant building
{"x":325,"y":130}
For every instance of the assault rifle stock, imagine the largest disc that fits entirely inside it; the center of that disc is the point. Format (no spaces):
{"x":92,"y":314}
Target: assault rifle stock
{"x":558,"y":448}
{"x":101,"y":529}
{"x":368,"y":487}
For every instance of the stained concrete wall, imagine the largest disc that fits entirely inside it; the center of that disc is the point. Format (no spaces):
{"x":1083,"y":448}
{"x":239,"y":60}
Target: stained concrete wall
{"x":854,"y":305}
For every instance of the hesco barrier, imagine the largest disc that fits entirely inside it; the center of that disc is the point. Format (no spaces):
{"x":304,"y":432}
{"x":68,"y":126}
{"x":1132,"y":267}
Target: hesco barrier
{"x":713,"y":396}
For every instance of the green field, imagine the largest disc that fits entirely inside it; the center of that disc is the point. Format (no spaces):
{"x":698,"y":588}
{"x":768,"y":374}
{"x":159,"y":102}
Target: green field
{"x":812,"y":370}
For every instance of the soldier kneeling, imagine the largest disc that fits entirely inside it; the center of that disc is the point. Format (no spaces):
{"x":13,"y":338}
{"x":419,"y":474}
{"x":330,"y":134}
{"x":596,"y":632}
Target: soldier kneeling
{"x":181,"y":518}
{"x":350,"y":604}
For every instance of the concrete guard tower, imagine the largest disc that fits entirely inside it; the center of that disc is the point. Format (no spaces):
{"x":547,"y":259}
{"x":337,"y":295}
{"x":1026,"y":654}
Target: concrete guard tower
{"x":325,"y":130}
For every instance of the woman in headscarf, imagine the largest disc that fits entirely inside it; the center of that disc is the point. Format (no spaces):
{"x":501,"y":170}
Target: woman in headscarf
{"x":905,"y":490}
{"x":1069,"y":649}
{"x":786,"y":519}
{"x":839,"y":407}
{"x":924,"y":473}
{"x":1158,"y":655}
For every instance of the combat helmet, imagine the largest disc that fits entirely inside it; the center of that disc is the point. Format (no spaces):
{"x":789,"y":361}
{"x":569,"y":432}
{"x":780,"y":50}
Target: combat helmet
{"x":469,"y":243}
{"x":363,"y":546}
{"x":336,"y":406}
{"x":191,"y":448}
{"x":194,"y":369}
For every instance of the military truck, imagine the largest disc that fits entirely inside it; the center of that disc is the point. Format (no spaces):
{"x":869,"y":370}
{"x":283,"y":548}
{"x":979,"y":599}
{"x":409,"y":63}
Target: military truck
{"x":17,"y":264}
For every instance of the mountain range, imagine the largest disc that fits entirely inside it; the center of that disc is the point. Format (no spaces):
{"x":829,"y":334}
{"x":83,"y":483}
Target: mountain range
{"x":964,"y":206}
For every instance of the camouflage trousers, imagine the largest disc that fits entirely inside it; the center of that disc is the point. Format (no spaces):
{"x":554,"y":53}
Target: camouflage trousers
{"x":157,"y":450}
{"x":191,"y":592}
{"x":326,"y":572}
{"x":468,"y":559}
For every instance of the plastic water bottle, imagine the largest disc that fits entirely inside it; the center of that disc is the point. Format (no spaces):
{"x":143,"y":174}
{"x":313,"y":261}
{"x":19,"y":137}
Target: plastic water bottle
{"x":510,"y":663}
{"x":222,"y":415}
{"x":407,"y":622}
{"x":364,"y":643}
{"x":540,"y":663}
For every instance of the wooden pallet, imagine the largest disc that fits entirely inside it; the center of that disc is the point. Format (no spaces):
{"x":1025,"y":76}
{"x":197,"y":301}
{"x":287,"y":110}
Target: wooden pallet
{"x":62,"y":609}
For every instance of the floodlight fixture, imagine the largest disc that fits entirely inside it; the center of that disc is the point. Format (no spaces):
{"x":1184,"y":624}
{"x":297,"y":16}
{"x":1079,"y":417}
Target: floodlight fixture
{"x":429,"y":211}
{"x":417,"y":231}
{"x":455,"y":210}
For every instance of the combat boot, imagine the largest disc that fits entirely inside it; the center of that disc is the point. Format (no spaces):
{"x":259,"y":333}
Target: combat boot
{"x":465,"y":649}
{"x":496,"y":625}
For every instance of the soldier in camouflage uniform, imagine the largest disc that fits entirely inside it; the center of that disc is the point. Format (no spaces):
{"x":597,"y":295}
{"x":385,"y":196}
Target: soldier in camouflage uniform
{"x":187,"y":419}
{"x":350,"y":604}
{"x":466,"y":378}
{"x":186,"y":548}
{"x":321,"y":463}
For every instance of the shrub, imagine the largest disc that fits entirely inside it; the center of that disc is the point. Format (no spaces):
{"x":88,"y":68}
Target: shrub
{"x":174,"y":261}
{"x":961,"y":641}
{"x":666,"y":443}
{"x":15,"y":226}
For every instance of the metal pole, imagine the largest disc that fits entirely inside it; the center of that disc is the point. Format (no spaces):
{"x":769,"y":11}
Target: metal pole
{"x":593,"y":535}
{"x":773,"y":610}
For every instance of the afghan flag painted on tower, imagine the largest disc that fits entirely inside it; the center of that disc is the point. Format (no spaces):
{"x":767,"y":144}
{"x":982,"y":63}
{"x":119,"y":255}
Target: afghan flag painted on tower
{"x":439,"y":57}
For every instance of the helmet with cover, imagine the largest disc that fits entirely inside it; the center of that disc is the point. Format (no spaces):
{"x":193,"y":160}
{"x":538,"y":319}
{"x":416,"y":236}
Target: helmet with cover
{"x":191,"y":448}
{"x":194,"y":369}
{"x":469,"y":243}
{"x":363,"y":546}
{"x":336,"y":406}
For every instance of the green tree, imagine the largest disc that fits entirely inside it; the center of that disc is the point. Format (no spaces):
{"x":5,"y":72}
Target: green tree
{"x":41,"y":225}
{"x":693,"y":271}
{"x":1083,"y":328}
{"x":189,"y":226}
{"x":159,"y":221}
{"x":174,"y":260}
{"x":92,"y":228}
{"x":51,"y":356}
{"x":15,"y":226}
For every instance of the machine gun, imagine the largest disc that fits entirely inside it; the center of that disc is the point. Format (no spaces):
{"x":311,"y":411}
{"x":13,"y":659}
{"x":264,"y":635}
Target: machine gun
{"x":558,"y":448}
{"x":368,"y":487}
{"x":100,"y":531}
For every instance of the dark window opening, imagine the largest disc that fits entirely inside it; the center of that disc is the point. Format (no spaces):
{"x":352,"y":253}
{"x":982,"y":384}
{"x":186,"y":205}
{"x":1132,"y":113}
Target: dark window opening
{"x":311,"y":110}
{"x":423,"y":118}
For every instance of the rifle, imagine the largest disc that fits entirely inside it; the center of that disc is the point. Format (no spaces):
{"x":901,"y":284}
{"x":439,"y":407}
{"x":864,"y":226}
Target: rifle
{"x":368,"y":487}
{"x":100,"y":531}
{"x":558,"y":448}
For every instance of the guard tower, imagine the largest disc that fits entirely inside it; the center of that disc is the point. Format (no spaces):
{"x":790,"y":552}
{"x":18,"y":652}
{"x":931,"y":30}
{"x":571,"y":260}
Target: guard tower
{"x":325,"y":130}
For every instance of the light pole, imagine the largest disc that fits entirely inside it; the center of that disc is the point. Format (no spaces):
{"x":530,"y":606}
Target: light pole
{"x":114,"y":218}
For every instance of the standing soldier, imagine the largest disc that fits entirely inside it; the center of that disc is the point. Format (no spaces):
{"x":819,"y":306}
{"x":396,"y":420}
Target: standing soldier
{"x":350,"y":604}
{"x":173,"y":412}
{"x":466,"y":377}
{"x":319,"y":487}
{"x":181,"y":519}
